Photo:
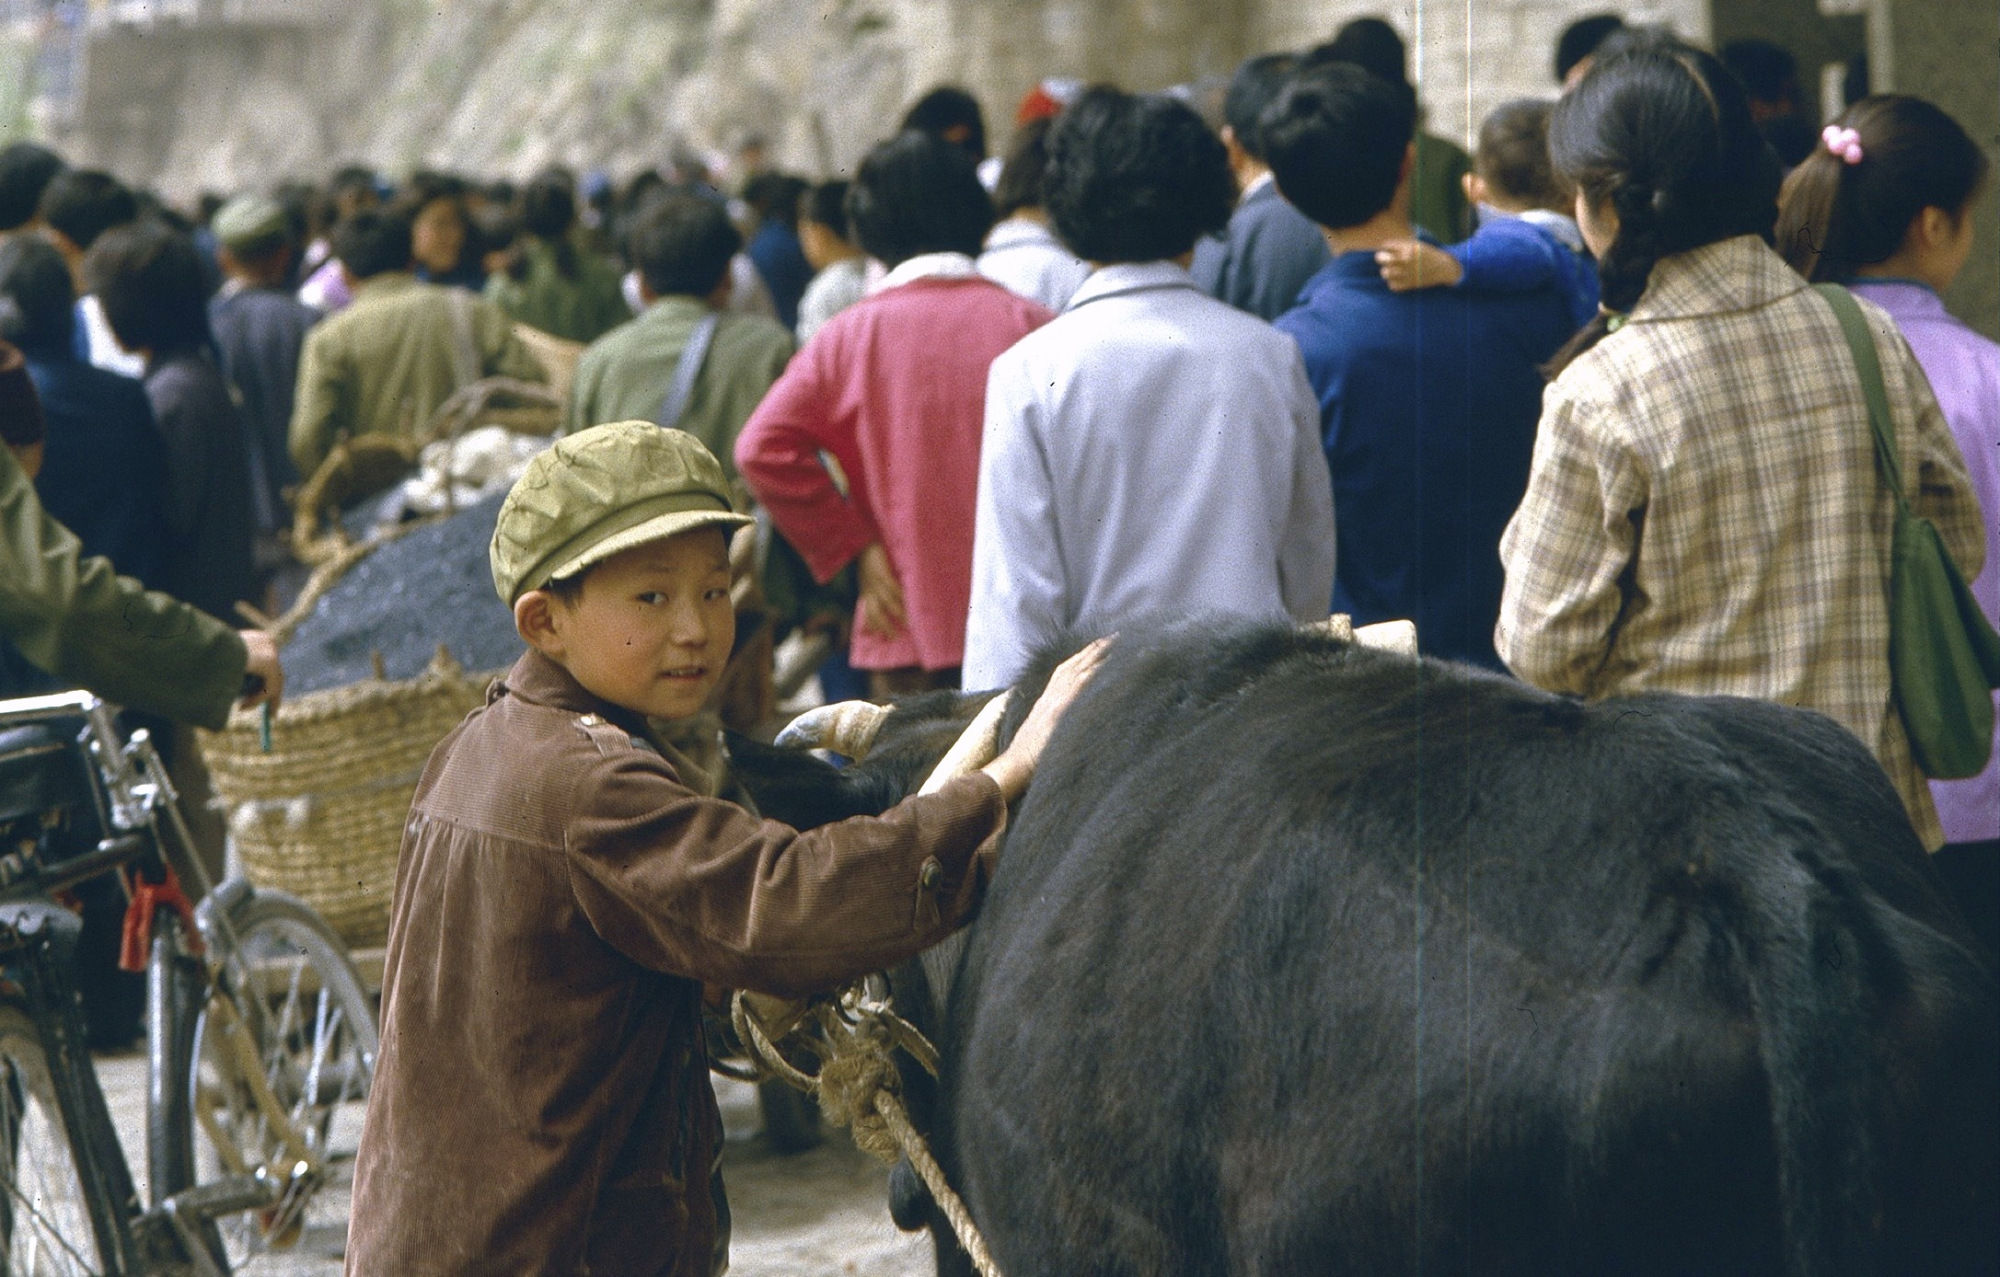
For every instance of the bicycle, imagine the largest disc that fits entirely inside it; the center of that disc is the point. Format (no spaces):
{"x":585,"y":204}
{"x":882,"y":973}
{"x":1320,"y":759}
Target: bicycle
{"x":259,"y":1032}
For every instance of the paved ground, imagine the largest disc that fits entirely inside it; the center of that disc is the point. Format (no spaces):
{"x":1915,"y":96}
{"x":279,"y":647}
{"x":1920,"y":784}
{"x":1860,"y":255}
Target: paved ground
{"x":816,"y":1214}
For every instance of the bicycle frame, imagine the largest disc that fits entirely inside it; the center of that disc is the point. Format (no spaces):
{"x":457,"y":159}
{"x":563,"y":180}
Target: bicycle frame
{"x":38,"y":937}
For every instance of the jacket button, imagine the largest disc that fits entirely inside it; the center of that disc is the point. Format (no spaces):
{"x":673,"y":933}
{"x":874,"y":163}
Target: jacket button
{"x":930,"y":875}
{"x":590,"y":720}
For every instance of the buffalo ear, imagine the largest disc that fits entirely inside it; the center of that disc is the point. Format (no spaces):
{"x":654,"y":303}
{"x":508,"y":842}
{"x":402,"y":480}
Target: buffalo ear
{"x":909,"y":1201}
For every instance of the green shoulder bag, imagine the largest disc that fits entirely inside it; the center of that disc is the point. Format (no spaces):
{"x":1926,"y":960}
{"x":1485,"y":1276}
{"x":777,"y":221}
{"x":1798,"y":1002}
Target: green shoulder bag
{"x":1944,"y":658}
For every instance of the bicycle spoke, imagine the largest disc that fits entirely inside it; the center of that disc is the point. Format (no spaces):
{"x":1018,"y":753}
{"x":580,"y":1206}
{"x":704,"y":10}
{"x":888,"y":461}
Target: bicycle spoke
{"x":24,"y":1142}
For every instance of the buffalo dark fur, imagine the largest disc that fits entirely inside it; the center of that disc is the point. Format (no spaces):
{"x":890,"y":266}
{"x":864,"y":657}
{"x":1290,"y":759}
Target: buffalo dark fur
{"x":1304,"y":958}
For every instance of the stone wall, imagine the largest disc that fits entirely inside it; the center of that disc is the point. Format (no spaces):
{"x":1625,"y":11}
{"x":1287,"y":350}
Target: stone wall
{"x":504,"y":86}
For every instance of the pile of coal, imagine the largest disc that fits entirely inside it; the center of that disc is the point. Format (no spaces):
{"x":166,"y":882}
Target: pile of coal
{"x":428,"y":587}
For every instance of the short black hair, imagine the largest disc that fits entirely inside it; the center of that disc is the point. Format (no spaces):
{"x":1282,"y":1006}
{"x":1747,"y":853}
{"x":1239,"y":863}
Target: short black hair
{"x":1135,"y":177}
{"x":826,"y":205}
{"x":682,"y":244}
{"x":25,"y":172}
{"x":1256,"y":84}
{"x":917,"y":193}
{"x":34,"y":277}
{"x":1024,"y":177}
{"x":373,"y":242}
{"x":1513,"y":154}
{"x":149,"y":278}
{"x":85,"y":203}
{"x":1336,"y":139}
{"x":548,"y":205}
{"x":950,"y":113}
{"x":775,"y":197}
{"x":1580,"y":39}
{"x":1769,"y":72}
{"x":1372,"y":45}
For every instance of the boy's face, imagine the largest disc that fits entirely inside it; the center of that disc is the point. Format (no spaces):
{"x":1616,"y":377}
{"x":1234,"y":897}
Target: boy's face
{"x":652,"y":628}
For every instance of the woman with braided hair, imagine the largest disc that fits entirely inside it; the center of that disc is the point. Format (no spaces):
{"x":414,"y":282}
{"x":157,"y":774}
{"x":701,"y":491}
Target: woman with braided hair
{"x":1703,"y":511}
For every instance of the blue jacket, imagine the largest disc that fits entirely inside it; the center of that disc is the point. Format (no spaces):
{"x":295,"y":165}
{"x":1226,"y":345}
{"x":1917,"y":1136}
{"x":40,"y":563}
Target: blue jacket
{"x":104,"y":466}
{"x":779,"y":259}
{"x":1428,"y":406}
{"x":1269,"y":252}
{"x":1510,"y":254}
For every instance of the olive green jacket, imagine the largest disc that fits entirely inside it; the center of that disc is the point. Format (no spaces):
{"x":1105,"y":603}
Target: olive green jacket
{"x":1437,"y":189}
{"x":626,"y":373}
{"x":581,"y":308}
{"x":79,"y":620}
{"x":384,"y":364}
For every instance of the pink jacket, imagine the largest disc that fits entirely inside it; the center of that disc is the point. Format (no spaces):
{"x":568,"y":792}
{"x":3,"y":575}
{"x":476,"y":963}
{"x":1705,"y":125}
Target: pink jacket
{"x":894,"y":389}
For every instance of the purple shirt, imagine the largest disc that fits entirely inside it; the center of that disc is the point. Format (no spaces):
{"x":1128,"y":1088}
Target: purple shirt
{"x":1964,"y":370}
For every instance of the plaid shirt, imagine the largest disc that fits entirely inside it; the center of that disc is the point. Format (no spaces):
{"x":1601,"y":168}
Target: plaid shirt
{"x":1705,"y":515}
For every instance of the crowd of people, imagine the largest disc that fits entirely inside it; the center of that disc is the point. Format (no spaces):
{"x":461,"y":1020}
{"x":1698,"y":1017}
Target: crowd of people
{"x":1568,"y":402}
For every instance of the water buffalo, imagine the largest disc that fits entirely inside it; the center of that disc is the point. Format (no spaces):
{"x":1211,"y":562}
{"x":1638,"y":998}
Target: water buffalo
{"x":1304,"y":958}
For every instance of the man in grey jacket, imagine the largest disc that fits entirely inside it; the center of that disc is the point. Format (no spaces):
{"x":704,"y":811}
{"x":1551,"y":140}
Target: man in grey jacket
{"x":1270,"y":249}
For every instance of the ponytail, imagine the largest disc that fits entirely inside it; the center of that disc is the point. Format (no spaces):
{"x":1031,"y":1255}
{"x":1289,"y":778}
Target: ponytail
{"x":1841,"y":212}
{"x":1662,"y":134}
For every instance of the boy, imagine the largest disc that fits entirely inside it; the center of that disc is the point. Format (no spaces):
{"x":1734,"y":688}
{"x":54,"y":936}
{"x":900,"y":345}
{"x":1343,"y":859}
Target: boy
{"x":541,"y":1103}
{"x":1525,"y":240}
{"x":1152,"y":449}
{"x":1428,"y":400}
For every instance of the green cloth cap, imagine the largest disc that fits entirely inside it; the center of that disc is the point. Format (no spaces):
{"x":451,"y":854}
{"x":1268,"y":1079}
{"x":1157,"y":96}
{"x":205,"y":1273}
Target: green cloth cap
{"x":602,"y":491}
{"x":251,"y":223}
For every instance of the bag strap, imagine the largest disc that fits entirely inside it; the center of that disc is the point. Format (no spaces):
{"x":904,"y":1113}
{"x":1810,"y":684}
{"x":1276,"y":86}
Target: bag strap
{"x":465,"y":362}
{"x":687,"y":369}
{"x":1861,"y":341}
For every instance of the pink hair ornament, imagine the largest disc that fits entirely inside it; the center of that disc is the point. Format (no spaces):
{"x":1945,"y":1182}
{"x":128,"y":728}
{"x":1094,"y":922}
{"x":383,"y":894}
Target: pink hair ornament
{"x":1845,"y":143}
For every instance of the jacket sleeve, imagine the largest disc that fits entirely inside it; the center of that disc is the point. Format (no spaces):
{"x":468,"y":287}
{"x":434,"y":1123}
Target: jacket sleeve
{"x":778,"y":456}
{"x":77,"y":619}
{"x":1506,"y":256}
{"x":1306,"y":552}
{"x":1020,"y":595}
{"x":700,"y":888}
{"x":323,"y":406}
{"x":1567,"y":547}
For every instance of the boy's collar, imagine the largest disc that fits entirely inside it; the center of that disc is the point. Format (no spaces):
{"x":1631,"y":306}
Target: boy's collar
{"x":540,"y":681}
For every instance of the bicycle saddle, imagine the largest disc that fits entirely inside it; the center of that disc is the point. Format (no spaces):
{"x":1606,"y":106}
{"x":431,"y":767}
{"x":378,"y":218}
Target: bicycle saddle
{"x":41,"y":770}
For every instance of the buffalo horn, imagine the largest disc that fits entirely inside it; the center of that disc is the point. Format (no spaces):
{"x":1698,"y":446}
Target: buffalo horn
{"x":848,"y":728}
{"x":1389,"y":636}
{"x":975,"y":747}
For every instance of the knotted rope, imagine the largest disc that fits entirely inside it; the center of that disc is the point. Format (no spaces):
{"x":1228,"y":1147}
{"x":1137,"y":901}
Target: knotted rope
{"x":857,"y":1083}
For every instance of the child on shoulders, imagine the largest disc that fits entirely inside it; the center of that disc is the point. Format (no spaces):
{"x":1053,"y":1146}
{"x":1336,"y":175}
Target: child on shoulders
{"x":1525,"y":239}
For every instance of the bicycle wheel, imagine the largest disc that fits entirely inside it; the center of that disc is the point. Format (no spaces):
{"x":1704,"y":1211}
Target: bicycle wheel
{"x":44,"y":1215}
{"x":309,"y":1042}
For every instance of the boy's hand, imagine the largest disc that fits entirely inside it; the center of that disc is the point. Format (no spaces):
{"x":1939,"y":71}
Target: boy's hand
{"x":881,"y":611}
{"x":1014,"y":768}
{"x":1410,"y":263}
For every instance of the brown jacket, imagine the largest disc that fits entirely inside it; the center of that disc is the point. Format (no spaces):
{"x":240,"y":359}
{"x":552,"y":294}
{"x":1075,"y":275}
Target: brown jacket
{"x":542,"y":1103}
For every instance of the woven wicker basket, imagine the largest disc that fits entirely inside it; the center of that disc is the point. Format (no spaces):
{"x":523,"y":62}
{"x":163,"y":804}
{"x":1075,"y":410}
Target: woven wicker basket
{"x":322,"y":814}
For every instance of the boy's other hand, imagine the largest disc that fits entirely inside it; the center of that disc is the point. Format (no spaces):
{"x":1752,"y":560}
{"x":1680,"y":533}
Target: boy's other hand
{"x":263,"y":667}
{"x":1409,"y":264}
{"x":1014,"y":768}
{"x":881,"y":611}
